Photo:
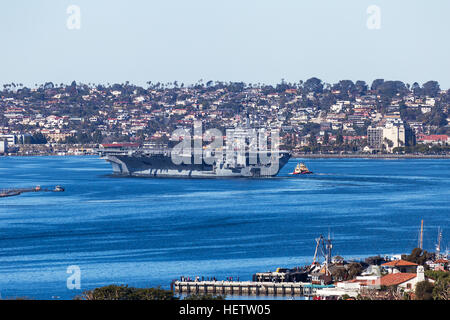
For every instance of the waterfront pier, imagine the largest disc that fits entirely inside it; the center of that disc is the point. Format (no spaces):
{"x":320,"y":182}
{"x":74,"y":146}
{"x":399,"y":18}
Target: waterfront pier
{"x":18,"y":191}
{"x":245,"y":288}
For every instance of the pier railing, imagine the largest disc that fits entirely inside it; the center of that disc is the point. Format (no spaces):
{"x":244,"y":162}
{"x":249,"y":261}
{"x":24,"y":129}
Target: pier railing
{"x":246,"y":288}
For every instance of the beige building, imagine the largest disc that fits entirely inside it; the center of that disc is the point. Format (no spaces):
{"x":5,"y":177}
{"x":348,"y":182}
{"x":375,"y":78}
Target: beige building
{"x":11,"y":139}
{"x":391,"y":135}
{"x":395,"y":133}
{"x":3,"y":146}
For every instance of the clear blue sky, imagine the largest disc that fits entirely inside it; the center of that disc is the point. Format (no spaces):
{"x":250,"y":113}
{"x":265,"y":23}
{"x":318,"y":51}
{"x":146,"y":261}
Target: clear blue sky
{"x":233,"y":40}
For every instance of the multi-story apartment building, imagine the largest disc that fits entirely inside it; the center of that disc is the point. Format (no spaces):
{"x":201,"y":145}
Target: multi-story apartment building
{"x":390,"y":135}
{"x":375,"y":137}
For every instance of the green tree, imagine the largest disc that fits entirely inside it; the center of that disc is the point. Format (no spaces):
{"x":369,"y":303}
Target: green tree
{"x":424,"y":290}
{"x":376,"y":84}
{"x":312,"y":140}
{"x":441,"y":289}
{"x":361,"y":87}
{"x":339,"y":139}
{"x":431,"y":88}
{"x":124,"y":292}
{"x":313,"y":85}
{"x":418,"y":256}
{"x":340,"y":274}
{"x":354,"y":269}
{"x":326,"y":138}
{"x":97,"y":137}
{"x":389,"y":142}
{"x":38,"y":138}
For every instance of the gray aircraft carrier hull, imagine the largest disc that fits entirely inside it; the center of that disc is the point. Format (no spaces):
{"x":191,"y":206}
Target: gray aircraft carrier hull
{"x":160,"y":165}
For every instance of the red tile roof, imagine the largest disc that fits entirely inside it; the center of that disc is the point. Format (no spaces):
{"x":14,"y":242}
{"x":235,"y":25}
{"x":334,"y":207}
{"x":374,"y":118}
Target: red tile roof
{"x":120,"y":145}
{"x":363,"y":282}
{"x":433,"y":137}
{"x":399,"y":263}
{"x":441,"y":261}
{"x":394,"y":279}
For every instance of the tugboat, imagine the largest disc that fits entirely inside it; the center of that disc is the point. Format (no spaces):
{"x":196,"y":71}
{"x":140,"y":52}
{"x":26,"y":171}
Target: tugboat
{"x":301,"y":169}
{"x":58,"y":188}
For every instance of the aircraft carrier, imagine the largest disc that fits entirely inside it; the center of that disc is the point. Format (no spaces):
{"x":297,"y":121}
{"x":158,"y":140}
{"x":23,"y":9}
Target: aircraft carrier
{"x":129,"y":160}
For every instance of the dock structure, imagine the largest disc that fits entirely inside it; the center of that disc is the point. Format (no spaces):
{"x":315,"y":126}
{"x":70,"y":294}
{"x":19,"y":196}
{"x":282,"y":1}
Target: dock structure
{"x":18,"y":191}
{"x":245,"y":288}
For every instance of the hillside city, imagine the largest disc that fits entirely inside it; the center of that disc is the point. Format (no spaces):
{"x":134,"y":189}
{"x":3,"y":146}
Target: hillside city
{"x":313,"y":116}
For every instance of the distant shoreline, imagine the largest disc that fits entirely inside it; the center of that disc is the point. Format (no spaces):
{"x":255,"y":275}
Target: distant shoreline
{"x":369,"y":156}
{"x":294,"y":156}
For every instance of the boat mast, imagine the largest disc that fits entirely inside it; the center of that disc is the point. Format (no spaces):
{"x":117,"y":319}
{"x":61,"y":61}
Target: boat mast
{"x":317,"y":248}
{"x":438,"y":245}
{"x":325,"y":246}
{"x":328,"y":247}
{"x":421,"y":235}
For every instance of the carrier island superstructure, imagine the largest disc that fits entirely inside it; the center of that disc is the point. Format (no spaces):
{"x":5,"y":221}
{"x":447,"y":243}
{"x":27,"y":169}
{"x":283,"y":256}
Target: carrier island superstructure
{"x":233,"y":160}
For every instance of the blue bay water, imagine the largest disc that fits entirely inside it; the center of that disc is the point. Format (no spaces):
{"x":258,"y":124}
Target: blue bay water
{"x":146,"y":232}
